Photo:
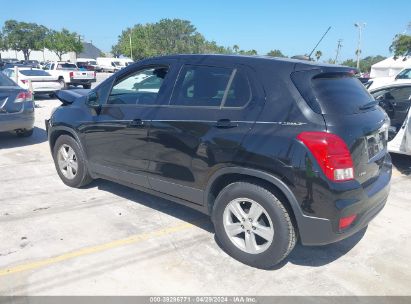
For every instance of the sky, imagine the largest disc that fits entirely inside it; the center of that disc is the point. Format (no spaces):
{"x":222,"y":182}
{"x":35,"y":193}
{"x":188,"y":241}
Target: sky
{"x":292,"y":26}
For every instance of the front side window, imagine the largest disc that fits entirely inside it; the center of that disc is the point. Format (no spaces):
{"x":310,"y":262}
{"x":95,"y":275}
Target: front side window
{"x":140,"y":88}
{"x":393,"y":94}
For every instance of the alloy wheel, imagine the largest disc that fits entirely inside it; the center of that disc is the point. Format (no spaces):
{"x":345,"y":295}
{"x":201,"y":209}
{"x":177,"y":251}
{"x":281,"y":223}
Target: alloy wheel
{"x":67,"y":161}
{"x":248,"y":225}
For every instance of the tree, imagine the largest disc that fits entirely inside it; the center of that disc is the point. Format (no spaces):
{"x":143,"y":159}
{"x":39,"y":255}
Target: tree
{"x":236,"y":48}
{"x":23,"y":36}
{"x":365,"y":64}
{"x":3,"y":45}
{"x":62,"y":42}
{"x":167,"y":36}
{"x":275,"y":53}
{"x":318,"y":55}
{"x":401,"y":45}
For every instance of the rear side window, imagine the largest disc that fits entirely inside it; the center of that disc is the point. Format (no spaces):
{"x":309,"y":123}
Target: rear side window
{"x":333,"y":93}
{"x":207,"y":86}
{"x":5,"y":81}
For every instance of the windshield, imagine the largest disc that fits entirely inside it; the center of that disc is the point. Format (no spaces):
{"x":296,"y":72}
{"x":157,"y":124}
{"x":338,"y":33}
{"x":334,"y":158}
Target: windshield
{"x":117,"y":63}
{"x":66,"y":66}
{"x":34,"y":73}
{"x":93,"y":62}
{"x":405,"y":74}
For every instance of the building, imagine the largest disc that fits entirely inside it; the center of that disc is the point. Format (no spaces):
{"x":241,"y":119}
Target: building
{"x":89,"y":51}
{"x":390,"y":67}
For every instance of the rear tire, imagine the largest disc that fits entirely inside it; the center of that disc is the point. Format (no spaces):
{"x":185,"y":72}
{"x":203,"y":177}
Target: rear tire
{"x":24,"y":133}
{"x":70,"y":162}
{"x":86,"y":86}
{"x":63,"y":84}
{"x":264,"y":236}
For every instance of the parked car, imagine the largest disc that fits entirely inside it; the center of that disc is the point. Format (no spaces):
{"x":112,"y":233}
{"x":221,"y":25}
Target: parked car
{"x":109,"y":64}
{"x":395,"y":99}
{"x":10,"y":60}
{"x":16,"y":108}
{"x":68,"y":73}
{"x":89,"y":63}
{"x":12,"y":65}
{"x":31,"y":63}
{"x":403,"y":77}
{"x":41,"y":81}
{"x":274,"y":150}
{"x":124,"y":62}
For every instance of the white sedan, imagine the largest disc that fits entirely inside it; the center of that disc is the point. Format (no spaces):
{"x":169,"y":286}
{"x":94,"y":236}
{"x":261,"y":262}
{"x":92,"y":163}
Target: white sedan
{"x":41,"y":81}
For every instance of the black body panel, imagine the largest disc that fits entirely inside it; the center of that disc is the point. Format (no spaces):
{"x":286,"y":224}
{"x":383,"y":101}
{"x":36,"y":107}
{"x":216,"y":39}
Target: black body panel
{"x":183,"y":152}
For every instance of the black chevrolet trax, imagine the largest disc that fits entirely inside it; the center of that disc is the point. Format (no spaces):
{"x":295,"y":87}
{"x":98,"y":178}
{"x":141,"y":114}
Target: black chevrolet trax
{"x":274,"y":150}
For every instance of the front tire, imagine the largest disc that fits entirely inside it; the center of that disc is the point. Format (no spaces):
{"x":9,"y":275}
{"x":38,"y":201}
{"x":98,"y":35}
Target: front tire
{"x":252,"y":225}
{"x":70,"y":162}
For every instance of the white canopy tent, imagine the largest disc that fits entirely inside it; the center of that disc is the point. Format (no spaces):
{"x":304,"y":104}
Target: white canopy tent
{"x":390,"y":67}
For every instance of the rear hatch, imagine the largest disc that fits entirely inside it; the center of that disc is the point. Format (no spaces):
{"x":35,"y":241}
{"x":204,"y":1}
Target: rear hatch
{"x":350,"y":112}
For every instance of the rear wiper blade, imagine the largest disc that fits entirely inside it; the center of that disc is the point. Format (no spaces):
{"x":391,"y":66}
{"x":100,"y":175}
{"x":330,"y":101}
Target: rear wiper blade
{"x":368,"y":105}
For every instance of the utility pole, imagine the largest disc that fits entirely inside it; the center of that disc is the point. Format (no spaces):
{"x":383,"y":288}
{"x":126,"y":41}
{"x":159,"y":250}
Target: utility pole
{"x":339,"y":46}
{"x":360,"y":27}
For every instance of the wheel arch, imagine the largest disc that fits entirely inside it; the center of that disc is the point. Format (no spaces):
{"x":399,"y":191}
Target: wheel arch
{"x":226,"y":176}
{"x":56,"y":132}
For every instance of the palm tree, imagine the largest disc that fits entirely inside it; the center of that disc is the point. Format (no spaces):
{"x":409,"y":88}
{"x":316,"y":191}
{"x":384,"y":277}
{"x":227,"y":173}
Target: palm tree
{"x":236,"y":48}
{"x":318,"y":55}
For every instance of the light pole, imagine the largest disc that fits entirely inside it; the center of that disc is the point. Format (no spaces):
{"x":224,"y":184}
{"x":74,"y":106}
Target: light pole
{"x":360,"y":27}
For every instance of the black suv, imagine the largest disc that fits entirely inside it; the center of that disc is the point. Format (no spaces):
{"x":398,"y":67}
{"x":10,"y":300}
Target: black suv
{"x":274,"y":150}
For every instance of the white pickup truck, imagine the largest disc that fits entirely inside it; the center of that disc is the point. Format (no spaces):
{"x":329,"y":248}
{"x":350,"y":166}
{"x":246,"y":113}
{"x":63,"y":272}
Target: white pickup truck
{"x":69,"y":74}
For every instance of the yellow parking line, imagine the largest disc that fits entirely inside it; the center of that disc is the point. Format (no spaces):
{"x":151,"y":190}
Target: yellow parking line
{"x":94,"y":249}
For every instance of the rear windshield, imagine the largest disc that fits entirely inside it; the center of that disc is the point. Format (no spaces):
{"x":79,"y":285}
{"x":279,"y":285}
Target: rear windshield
{"x":34,"y":73}
{"x":5,"y":81}
{"x":66,"y":66}
{"x":341,"y":95}
{"x":336,"y":93}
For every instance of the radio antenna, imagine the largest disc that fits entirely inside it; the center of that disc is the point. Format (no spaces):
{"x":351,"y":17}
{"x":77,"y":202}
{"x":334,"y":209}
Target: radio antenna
{"x":309,"y":56}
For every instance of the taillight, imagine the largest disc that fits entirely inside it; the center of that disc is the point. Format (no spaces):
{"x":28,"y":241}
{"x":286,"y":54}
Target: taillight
{"x":23,"y":96}
{"x":71,"y":74}
{"x":95,"y":74}
{"x":346,"y":222}
{"x":331,"y":153}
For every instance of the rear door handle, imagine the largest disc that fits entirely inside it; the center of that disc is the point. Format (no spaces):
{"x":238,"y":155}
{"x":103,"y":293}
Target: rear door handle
{"x":136,"y":123}
{"x":225,"y":124}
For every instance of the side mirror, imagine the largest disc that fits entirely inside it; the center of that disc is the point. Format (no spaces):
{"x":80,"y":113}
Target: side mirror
{"x":92,"y":100}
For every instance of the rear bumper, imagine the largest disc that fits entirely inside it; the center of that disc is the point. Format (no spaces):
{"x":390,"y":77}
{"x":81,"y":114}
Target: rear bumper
{"x":81,"y":81}
{"x":321,"y":231}
{"x":15,"y":121}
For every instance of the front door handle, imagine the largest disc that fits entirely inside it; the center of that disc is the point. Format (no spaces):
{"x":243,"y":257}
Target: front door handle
{"x":136,"y":123}
{"x":225,"y":124}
